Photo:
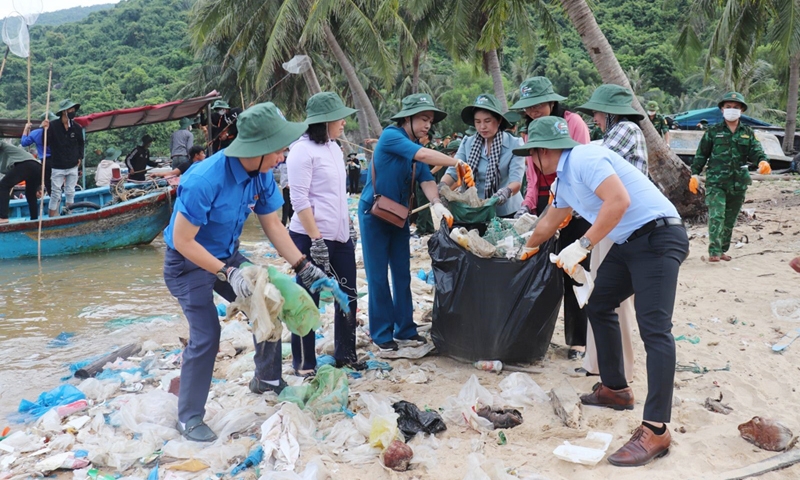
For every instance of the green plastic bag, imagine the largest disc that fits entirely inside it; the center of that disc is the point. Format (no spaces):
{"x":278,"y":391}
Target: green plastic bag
{"x":463,"y":213}
{"x":299,"y":313}
{"x":327,"y":393}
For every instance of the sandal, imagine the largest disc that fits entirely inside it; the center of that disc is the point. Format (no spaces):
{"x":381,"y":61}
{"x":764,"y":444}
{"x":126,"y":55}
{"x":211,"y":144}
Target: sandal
{"x":714,"y":259}
{"x":725,"y":257}
{"x":306,"y":374}
{"x":196,"y":430}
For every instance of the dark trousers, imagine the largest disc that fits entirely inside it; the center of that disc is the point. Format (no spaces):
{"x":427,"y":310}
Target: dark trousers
{"x":287,"y":211}
{"x":193,"y":287}
{"x":575,"y":317}
{"x":391,"y":312}
{"x":647,"y":267}
{"x":29,"y":172}
{"x":343,"y":267}
{"x":48,"y":174}
{"x":355,"y":179}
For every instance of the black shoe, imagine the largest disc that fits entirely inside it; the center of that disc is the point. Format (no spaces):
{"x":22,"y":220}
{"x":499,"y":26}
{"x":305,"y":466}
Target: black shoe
{"x":196,"y":430}
{"x":259,"y":386}
{"x":415,"y":341}
{"x":357,"y":366}
{"x":390,"y":346}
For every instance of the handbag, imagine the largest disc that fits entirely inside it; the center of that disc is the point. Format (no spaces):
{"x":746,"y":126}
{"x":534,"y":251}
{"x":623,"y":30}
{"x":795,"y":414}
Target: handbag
{"x":387,"y":209}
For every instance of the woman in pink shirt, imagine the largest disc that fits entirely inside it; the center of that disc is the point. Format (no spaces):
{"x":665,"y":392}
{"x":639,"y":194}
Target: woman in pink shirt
{"x":537,"y":99}
{"x":321,"y":226}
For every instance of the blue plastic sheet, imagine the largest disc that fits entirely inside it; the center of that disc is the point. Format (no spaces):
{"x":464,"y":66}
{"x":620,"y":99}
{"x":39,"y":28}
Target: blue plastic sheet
{"x":222,"y":310}
{"x":62,"y":340}
{"x":153,"y":473}
{"x":61,"y":395}
{"x":111,"y":374}
{"x":326,"y":360}
{"x":255,"y":457}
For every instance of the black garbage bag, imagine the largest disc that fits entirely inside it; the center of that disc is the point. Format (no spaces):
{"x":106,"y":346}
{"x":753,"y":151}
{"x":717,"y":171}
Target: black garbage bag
{"x":493,"y":308}
{"x":412,"y":420}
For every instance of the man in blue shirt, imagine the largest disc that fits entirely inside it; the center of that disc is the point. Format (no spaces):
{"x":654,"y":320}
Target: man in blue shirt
{"x":36,"y":137}
{"x":215,"y":198}
{"x":650,"y":243}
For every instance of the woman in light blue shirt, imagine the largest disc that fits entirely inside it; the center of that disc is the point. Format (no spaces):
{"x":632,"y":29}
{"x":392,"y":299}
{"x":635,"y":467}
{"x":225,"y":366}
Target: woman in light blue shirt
{"x":497,"y":171}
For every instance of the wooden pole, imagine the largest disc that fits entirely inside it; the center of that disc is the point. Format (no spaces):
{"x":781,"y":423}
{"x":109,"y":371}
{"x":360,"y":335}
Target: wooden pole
{"x":29,"y":86}
{"x":44,"y":165}
{"x":3,"y":65}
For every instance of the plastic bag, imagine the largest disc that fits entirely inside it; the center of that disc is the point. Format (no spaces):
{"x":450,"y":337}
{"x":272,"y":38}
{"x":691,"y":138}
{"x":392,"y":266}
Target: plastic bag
{"x":466,"y":207}
{"x":383,"y":428}
{"x":152,"y":414}
{"x":460,"y":409}
{"x":520,"y":390}
{"x":493,"y":307}
{"x":344,"y":435}
{"x":315,"y":470}
{"x":237,"y":334}
{"x":412,"y":420}
{"x":61,"y":395}
{"x":327,"y":393}
{"x":525,"y":223}
{"x":473,"y":242}
{"x":263,"y":307}
{"x":299,"y":313}
{"x":282,"y":434}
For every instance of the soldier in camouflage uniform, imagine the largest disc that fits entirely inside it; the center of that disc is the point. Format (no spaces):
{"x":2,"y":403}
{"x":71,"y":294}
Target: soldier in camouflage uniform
{"x":595,"y":132}
{"x":727,"y":149}
{"x":658,"y":120}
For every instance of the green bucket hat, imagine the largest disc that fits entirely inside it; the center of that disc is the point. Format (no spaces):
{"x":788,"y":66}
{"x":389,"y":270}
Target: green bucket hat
{"x":484,"y":101}
{"x":326,"y":107}
{"x":452,"y":146}
{"x":112,"y":153}
{"x":733,"y":97}
{"x":419,"y":102}
{"x":652,"y":106}
{"x":470,"y":131}
{"x":66,"y":104}
{"x":220,"y":104}
{"x":49,"y":116}
{"x":612,"y":99}
{"x":262,"y":130}
{"x":536,"y":90}
{"x":185,"y":122}
{"x":547,"y":132}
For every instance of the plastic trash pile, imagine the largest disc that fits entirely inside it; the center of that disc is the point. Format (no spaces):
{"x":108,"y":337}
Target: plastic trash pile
{"x":504,"y":238}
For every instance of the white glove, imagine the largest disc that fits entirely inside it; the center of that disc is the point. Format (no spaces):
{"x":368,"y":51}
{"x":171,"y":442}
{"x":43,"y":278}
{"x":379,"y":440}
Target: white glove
{"x":569,"y":258}
{"x":522,"y":211}
{"x":240,"y":285}
{"x":442,"y":212}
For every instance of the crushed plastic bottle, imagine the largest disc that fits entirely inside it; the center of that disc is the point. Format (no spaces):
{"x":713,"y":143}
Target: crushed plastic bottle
{"x":489,"y":365}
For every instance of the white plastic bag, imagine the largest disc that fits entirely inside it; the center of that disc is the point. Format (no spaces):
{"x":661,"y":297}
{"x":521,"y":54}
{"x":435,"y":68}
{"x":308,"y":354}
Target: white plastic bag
{"x":283,"y":433}
{"x":585,"y":455}
{"x":315,"y":470}
{"x":382,"y":420}
{"x":237,"y":334}
{"x":520,"y":390}
{"x":98,"y":390}
{"x":458,"y":410}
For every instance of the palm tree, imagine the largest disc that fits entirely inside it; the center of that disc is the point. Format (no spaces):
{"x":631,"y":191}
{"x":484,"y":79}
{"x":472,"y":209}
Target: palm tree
{"x":739,"y":27}
{"x":476,"y":29}
{"x":667,"y":170}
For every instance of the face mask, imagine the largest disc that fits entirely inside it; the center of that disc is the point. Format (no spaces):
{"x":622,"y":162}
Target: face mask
{"x":190,"y":128}
{"x":731,"y":114}
{"x":71,"y":115}
{"x":651,"y":112}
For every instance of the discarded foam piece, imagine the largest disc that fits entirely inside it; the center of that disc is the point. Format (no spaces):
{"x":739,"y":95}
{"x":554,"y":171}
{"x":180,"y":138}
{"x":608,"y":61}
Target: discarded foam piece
{"x":566,"y":404}
{"x":582,"y":454}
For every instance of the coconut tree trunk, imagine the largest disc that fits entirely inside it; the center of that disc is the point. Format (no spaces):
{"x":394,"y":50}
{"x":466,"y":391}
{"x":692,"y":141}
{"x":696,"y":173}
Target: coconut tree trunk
{"x":353,"y":81}
{"x":310,"y":76}
{"x":791,"y":103}
{"x":667,"y":170}
{"x":363,"y":124}
{"x":415,"y":72}
{"x":492,"y":62}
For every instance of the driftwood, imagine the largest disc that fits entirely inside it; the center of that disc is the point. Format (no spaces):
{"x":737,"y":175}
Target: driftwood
{"x":566,"y":404}
{"x":778,"y":462}
{"x":97,"y":366}
{"x":758,"y":176}
{"x":517,"y":368}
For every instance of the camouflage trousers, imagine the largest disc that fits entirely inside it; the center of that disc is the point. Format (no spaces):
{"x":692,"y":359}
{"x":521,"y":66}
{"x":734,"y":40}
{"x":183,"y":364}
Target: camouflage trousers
{"x":723,"y":210}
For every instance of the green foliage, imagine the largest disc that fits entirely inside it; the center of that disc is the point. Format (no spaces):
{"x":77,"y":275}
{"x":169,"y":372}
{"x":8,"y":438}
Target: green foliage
{"x":70,"y":15}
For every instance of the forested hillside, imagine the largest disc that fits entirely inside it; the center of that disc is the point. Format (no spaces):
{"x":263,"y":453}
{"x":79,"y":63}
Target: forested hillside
{"x":139,"y":52}
{"x":70,"y":15}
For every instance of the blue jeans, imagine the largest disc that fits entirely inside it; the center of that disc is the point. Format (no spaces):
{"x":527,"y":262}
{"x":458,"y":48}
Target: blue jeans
{"x":343,"y":266}
{"x":386,"y":246}
{"x":193,"y":287}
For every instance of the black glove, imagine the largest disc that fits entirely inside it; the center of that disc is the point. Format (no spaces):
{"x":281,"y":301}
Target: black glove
{"x":319,"y":254}
{"x":310,"y":274}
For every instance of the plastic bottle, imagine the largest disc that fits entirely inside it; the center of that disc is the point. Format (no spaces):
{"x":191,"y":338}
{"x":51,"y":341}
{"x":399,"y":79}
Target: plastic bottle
{"x":489,"y":365}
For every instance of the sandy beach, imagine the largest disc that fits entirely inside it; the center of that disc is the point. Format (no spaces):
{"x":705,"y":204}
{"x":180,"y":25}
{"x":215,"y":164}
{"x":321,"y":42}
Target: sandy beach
{"x":726,"y":313}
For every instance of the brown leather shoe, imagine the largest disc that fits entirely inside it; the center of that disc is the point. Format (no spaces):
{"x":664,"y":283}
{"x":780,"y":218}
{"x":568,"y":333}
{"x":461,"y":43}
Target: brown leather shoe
{"x":643,"y":447}
{"x":603,"y":396}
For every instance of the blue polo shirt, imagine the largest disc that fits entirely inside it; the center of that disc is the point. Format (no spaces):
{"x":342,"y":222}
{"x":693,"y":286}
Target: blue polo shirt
{"x":582,"y":169}
{"x":218,"y":195}
{"x":393,"y":157}
{"x":36,"y":137}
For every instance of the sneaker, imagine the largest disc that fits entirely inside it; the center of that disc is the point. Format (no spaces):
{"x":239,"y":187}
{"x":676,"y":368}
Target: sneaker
{"x":415,"y":341}
{"x":390,"y":346}
{"x":259,"y":387}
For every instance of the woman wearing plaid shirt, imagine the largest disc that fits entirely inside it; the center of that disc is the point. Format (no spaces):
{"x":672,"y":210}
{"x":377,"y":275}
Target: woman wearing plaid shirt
{"x":611,"y":107}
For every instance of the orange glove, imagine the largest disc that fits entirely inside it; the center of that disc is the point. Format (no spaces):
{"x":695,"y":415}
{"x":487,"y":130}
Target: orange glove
{"x":565,"y":222}
{"x":528,"y":252}
{"x":693,"y":184}
{"x":465,"y":174}
{"x":764,"y":168}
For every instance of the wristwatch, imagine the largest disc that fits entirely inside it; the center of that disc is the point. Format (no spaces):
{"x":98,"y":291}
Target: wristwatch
{"x":222,"y":274}
{"x":586,"y":243}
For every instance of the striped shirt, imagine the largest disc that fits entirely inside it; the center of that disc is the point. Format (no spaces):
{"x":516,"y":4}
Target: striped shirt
{"x":627,"y":139}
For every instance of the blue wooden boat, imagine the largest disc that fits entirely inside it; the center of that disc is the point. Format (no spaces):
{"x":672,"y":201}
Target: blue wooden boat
{"x":132,"y":222}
